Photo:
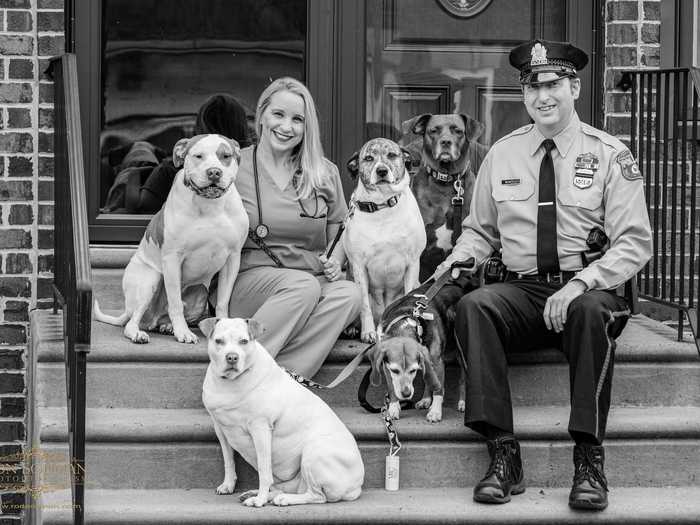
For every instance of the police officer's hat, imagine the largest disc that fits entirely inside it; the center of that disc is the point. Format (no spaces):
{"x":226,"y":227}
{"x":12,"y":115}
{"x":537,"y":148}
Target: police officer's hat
{"x":542,"y":56}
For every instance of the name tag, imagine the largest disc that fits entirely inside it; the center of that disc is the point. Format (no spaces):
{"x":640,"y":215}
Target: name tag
{"x":510,"y":182}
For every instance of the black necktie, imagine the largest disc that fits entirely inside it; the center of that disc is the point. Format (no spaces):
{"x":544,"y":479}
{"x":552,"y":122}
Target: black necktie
{"x":547,"y":257}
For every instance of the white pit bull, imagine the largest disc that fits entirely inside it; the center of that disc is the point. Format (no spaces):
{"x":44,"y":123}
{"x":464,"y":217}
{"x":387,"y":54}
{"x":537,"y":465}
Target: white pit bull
{"x":199,"y":231}
{"x":303,"y":453}
{"x":384,"y":235}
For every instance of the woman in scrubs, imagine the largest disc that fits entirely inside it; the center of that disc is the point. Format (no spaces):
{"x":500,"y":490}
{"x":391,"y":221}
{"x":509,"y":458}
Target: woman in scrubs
{"x":295,"y":203}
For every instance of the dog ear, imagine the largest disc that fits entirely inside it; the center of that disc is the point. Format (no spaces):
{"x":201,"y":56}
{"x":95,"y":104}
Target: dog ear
{"x":429,"y":375}
{"x":353,"y":164}
{"x":179,"y":152}
{"x":255,"y":328}
{"x":407,"y":159}
{"x":377,"y":360}
{"x":473,"y":128}
{"x":207,"y":325}
{"x":418,"y":124}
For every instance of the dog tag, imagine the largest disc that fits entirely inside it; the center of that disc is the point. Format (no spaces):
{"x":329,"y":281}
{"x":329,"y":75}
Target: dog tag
{"x":262,"y":231}
{"x":391,"y":477}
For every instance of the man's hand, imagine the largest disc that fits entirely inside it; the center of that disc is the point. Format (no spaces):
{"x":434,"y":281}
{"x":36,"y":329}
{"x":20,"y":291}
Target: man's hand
{"x":557,"y":305}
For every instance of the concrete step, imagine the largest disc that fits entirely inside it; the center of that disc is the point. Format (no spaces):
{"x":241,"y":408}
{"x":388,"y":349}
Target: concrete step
{"x":439,"y":506}
{"x":179,"y":384}
{"x":178,"y":449}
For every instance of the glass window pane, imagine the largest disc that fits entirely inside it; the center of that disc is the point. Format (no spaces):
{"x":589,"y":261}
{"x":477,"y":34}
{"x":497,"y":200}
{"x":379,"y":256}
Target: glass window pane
{"x":161,"y":62}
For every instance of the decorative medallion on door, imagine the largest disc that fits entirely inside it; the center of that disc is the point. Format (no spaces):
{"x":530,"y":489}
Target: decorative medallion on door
{"x":464,"y":8}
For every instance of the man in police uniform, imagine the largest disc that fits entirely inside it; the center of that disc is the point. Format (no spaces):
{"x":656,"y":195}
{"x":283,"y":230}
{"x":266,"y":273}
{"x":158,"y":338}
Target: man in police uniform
{"x":539,"y":193}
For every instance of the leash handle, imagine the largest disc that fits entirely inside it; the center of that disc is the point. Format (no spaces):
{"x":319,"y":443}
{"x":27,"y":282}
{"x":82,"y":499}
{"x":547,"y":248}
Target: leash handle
{"x":341,"y":228}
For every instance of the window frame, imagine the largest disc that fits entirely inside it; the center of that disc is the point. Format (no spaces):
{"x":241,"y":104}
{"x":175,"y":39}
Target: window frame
{"x":84,"y":37}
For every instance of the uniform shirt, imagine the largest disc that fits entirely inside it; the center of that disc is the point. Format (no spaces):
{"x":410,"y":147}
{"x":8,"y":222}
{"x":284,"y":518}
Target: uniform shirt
{"x":503,"y":212}
{"x":296,"y":240}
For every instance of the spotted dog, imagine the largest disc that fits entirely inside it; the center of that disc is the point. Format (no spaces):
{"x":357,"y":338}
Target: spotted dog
{"x":199,"y":231}
{"x":444,"y":182}
{"x":384,"y":234}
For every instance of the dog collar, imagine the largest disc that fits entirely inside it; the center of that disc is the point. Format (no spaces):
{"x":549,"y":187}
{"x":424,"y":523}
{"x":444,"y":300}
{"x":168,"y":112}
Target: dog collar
{"x":202,"y":192}
{"x":443,"y":177}
{"x":371,"y":207}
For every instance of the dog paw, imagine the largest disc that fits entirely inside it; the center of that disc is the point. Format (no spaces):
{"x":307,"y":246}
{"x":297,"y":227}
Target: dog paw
{"x":247,"y":494}
{"x":226,"y":488}
{"x":140,"y":337}
{"x":424,"y":403}
{"x":434,"y":416}
{"x":394,"y":410}
{"x":255,"y":501}
{"x":461,"y":405}
{"x":166,"y":328}
{"x":369,"y":337}
{"x":281,"y":500}
{"x":186,"y":337}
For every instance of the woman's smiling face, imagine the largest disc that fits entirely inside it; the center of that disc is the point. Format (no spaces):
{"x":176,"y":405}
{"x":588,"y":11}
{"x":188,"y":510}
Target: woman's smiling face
{"x":282,"y":122}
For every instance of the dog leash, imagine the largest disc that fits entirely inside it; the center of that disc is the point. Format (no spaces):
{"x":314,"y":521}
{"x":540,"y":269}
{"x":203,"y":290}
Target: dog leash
{"x":342,"y":376}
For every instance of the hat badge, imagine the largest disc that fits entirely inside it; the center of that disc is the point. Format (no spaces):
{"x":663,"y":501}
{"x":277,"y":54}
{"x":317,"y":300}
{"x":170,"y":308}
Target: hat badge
{"x":539,"y":55}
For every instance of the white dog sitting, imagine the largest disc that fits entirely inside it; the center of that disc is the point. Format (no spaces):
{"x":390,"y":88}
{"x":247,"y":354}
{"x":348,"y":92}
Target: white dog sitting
{"x":199,"y":231}
{"x":303,"y":453}
{"x":384,"y":234}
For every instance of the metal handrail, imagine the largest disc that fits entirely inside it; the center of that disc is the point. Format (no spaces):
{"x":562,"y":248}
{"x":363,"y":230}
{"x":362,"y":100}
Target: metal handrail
{"x":664,"y":137}
{"x":72,"y":273}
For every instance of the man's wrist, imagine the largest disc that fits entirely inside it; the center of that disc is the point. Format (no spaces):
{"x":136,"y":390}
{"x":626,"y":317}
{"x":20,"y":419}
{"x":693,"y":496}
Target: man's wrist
{"x":582,"y":284}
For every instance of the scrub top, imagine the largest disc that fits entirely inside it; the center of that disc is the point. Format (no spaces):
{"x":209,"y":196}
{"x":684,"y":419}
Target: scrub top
{"x":297,"y":241}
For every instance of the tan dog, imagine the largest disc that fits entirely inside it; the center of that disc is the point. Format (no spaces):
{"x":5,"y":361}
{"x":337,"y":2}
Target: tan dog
{"x":400,"y":358}
{"x":303,"y":453}
{"x":449,"y":157}
{"x":199,"y":231}
{"x":384,"y":234}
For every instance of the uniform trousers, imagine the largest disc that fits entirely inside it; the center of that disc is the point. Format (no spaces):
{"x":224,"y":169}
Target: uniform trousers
{"x":502,"y":318}
{"x":302,"y":314}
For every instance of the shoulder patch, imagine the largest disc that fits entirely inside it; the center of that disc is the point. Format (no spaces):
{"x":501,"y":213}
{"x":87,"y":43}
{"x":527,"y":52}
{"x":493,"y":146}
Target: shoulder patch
{"x":154,"y":230}
{"x":628,"y":166}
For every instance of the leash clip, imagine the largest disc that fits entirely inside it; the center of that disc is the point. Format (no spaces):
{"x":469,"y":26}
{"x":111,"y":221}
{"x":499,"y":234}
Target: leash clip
{"x":459,"y":191}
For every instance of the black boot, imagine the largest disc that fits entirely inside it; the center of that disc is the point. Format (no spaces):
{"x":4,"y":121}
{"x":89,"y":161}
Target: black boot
{"x":590,"y":488}
{"x":505,"y":474}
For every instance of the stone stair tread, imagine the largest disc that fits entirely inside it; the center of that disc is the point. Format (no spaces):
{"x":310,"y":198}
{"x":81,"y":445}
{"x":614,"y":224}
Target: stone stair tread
{"x":644,"y":340}
{"x":122,"y":425}
{"x":452,"y":505}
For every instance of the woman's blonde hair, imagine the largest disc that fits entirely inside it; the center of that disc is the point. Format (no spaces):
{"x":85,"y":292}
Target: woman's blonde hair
{"x":308,"y":154}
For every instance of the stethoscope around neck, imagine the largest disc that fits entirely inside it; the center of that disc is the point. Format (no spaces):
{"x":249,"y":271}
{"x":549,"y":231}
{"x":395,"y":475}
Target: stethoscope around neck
{"x":262,"y":230}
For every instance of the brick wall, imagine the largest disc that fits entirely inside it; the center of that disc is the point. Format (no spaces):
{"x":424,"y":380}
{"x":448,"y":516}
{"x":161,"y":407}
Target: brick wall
{"x":30,"y":32}
{"x":632,"y":35}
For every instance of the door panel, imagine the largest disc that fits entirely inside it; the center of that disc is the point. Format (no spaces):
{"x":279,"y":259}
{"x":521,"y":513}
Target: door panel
{"x":421,"y":57}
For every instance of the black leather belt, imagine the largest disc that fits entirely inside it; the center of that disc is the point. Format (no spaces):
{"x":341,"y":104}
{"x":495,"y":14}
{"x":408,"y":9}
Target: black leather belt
{"x":551,"y":278}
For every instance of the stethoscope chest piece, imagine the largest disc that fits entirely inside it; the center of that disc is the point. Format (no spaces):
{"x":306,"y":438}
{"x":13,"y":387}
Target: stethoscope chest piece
{"x":262,"y":231}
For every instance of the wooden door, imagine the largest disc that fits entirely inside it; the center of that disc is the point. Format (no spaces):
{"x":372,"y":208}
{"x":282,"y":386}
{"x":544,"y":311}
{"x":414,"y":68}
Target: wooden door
{"x":451,"y":56}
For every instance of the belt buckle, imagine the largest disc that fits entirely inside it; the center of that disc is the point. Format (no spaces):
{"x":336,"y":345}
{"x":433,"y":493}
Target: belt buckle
{"x":555,"y":278}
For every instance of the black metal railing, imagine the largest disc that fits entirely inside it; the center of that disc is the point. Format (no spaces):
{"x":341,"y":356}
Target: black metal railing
{"x":72,"y":273}
{"x":665,"y":138}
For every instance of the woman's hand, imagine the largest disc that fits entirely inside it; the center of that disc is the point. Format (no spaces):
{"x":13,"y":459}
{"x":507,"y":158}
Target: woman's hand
{"x":331,"y":268}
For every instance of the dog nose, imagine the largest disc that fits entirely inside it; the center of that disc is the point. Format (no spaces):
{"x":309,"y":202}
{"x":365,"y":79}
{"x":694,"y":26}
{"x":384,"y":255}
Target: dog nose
{"x":406,"y":392}
{"x":445,"y":142}
{"x":214,"y":174}
{"x":232,"y":359}
{"x":382,"y":172}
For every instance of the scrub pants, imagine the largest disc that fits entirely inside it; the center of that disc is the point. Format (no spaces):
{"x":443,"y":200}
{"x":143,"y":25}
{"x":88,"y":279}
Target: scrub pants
{"x":504,"y":317}
{"x":302,"y":314}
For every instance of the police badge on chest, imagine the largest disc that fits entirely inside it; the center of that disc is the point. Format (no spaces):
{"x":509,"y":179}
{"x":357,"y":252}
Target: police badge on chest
{"x":586,"y":166}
